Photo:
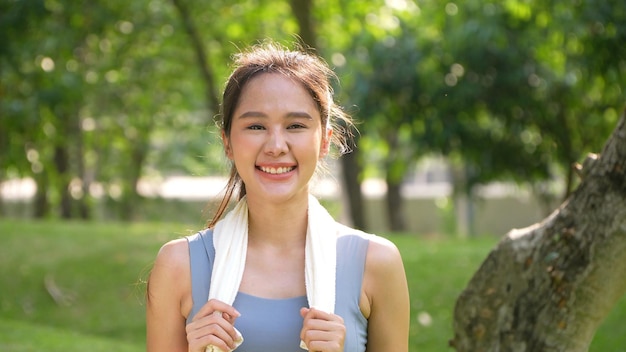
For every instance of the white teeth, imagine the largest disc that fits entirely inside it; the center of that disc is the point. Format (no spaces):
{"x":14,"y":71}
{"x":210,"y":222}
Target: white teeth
{"x":276,"y":170}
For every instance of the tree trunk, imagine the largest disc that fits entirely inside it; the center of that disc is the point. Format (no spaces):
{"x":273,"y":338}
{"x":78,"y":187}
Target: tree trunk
{"x":395,"y":168}
{"x":350,"y":174}
{"x":84,"y":209}
{"x":131,"y":201}
{"x":65,"y":157}
{"x":549,"y":286}
{"x":301,"y":10}
{"x":4,"y":153}
{"x":1,"y":199}
{"x":41,"y":204}
{"x":395,"y":206}
{"x":212,"y":96}
{"x":463,"y":201}
{"x":61,"y":163}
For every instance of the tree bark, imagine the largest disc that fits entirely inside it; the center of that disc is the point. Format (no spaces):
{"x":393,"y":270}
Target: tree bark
{"x":549,"y":286}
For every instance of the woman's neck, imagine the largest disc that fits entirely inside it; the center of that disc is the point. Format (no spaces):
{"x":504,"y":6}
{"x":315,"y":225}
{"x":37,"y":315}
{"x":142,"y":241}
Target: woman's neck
{"x":278,"y":224}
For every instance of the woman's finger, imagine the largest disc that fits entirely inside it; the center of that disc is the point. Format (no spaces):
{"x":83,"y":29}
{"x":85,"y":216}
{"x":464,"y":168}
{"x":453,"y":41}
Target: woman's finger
{"x":322,"y":331}
{"x":215,"y":305}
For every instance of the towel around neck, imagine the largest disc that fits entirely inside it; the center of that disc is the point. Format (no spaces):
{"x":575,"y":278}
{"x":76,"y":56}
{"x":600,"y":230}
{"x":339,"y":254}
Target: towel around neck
{"x":230,"y":239}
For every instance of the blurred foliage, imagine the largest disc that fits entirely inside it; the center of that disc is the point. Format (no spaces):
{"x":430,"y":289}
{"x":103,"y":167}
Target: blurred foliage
{"x":95,"y":95}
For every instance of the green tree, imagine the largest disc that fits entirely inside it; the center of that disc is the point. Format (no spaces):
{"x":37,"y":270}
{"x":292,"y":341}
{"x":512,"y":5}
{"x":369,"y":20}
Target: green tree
{"x":97,"y":81}
{"x":386,"y":89}
{"x":376,"y":58}
{"x":514,"y":78}
{"x":49,"y":98}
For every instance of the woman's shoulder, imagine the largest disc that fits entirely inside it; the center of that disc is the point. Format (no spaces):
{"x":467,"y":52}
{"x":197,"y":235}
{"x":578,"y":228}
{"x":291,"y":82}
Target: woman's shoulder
{"x":383,"y":254}
{"x":174,"y":252}
{"x":172,"y":261}
{"x":383,"y":257}
{"x":170,"y":278}
{"x":379,"y":248}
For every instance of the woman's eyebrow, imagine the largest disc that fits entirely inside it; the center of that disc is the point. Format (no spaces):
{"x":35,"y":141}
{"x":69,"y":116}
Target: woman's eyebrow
{"x":252,"y":114}
{"x":300,"y":114}
{"x":293,"y":114}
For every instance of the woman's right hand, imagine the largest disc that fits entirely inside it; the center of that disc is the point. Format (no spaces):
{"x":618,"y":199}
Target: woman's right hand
{"x":214,"y":324}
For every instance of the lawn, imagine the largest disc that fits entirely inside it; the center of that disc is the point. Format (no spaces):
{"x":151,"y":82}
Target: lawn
{"x":96,"y":274}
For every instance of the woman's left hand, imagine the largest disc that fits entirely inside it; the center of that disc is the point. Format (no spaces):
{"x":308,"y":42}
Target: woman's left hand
{"x":322,"y":332}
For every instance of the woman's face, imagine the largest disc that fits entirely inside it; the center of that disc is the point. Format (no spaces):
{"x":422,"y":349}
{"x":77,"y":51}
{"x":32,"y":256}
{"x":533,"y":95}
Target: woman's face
{"x":276,"y":138}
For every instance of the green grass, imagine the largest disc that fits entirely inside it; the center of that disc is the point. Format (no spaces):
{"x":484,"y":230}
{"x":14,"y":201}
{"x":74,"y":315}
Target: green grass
{"x":99,"y":268}
{"x":20,"y":336}
{"x":437,"y":270}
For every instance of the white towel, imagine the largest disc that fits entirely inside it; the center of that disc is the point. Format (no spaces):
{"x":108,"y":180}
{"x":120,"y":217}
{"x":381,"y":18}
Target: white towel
{"x":230,"y":239}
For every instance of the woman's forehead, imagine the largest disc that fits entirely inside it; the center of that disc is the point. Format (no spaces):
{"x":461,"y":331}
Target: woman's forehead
{"x":275,"y":90}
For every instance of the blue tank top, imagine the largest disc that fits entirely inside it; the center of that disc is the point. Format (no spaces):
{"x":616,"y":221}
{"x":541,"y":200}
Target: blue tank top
{"x":275,"y":324}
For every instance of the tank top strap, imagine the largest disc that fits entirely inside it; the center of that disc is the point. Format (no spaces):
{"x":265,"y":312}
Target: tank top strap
{"x":351,"y":254}
{"x":201,"y":256}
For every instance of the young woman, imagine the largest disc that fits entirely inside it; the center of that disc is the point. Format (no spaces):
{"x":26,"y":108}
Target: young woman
{"x":278,"y":122}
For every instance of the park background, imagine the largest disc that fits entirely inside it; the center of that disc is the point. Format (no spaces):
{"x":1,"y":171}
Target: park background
{"x":473,"y":116}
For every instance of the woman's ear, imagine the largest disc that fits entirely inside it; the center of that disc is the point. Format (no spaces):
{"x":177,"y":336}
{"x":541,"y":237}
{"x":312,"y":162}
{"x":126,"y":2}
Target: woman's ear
{"x":227,"y":149}
{"x":325,"y":147}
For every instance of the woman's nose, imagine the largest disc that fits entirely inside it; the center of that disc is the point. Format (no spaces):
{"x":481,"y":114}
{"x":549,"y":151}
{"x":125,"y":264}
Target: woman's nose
{"x":276,"y":142}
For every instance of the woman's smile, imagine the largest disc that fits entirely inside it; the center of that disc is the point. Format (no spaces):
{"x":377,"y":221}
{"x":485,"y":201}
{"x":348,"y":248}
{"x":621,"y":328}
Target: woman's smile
{"x":276,"y":170}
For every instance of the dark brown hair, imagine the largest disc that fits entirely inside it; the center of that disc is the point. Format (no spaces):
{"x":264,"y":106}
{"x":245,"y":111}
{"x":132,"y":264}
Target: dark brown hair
{"x":301,"y":65}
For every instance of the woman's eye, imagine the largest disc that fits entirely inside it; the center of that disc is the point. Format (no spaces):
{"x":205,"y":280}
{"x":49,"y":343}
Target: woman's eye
{"x":296,"y":126}
{"x":255,"y":127}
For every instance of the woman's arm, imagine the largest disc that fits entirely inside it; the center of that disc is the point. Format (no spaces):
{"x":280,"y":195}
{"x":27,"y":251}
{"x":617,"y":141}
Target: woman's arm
{"x":169,"y":302}
{"x":168,"y":285}
{"x":386,"y":287}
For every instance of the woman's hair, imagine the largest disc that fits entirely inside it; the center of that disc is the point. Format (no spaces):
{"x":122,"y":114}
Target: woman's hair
{"x":301,"y":65}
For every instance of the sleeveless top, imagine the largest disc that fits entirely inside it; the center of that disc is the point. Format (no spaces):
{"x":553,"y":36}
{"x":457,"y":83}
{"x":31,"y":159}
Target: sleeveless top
{"x":275,"y":324}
